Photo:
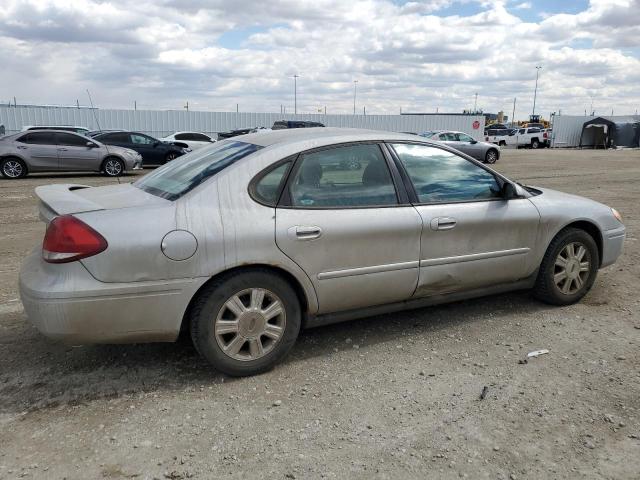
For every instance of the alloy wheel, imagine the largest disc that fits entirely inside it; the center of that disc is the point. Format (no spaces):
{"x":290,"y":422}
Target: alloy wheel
{"x":492,"y":156}
{"x":250,"y":324}
{"x":113,"y":168}
{"x":572,"y":268}
{"x":12,"y":169}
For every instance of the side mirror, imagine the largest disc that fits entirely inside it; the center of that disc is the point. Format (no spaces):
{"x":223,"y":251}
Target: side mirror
{"x":155,"y":144}
{"x":474,"y":141}
{"x":509,"y":191}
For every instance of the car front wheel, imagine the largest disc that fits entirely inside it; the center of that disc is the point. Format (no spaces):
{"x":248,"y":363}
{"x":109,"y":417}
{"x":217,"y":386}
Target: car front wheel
{"x":246,"y":322}
{"x":491,"y":156}
{"x":113,"y":167}
{"x":568,"y":269}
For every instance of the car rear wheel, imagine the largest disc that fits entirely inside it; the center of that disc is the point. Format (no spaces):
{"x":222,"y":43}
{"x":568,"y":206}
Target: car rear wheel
{"x":13,"y":168}
{"x":245,"y":323}
{"x":491,"y":156}
{"x":113,"y":167}
{"x":535,"y":143}
{"x":568,"y":269}
{"x":171,"y":156}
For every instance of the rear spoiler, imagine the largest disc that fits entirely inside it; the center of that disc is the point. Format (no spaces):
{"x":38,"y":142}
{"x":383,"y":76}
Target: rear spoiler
{"x":61,"y":200}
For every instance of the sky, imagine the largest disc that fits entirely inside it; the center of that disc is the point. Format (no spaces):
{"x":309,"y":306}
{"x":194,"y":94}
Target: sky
{"x":409,"y":56}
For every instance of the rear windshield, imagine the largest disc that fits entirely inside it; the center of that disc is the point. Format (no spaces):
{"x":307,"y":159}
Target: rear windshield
{"x":183,"y":174}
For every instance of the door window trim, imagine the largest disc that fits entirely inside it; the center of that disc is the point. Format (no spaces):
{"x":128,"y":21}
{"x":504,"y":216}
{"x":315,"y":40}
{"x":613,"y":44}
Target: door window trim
{"x":403,"y":200}
{"x":413,"y":195}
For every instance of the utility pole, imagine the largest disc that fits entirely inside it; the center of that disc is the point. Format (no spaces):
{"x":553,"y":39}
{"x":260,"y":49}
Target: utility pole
{"x":475,"y":104}
{"x":364,"y":110}
{"x":535,"y":91}
{"x":325,"y":109}
{"x":135,"y":105}
{"x":295,"y":94}
{"x":355,"y":88}
{"x":513,"y":114}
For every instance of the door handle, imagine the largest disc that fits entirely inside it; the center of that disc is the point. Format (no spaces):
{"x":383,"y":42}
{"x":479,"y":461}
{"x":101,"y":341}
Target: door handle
{"x":443,"y":223}
{"x":308,"y":233}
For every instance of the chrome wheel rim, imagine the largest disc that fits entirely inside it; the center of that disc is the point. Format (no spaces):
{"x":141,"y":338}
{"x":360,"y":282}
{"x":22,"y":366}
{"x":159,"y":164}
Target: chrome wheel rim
{"x":171,"y":156}
{"x":491,"y":157}
{"x":113,"y":168}
{"x":12,"y":169}
{"x":572,"y":268}
{"x":250,"y":324}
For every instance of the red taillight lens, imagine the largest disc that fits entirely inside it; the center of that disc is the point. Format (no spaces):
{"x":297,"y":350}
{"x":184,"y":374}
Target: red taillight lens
{"x":69,"y":239}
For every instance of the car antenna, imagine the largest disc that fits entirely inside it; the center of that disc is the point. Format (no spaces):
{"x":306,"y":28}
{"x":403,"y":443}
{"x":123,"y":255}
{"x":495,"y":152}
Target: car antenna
{"x":95,"y":117}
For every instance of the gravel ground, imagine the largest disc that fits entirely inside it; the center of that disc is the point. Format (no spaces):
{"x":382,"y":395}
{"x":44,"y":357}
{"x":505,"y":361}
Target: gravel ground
{"x":393,"y":396}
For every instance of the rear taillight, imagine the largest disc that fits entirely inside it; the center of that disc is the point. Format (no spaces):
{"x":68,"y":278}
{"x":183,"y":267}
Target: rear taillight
{"x":68,"y":239}
{"x":544,"y":135}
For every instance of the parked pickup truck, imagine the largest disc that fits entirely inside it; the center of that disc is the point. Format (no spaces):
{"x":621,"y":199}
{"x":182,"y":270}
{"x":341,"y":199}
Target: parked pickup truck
{"x":533,"y":137}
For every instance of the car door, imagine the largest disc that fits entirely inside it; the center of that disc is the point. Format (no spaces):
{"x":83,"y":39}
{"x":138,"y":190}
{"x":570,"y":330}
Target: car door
{"x":471,"y":236}
{"x":470,"y":146}
{"x":75,"y":154}
{"x":39,"y":149}
{"x":153,"y":151}
{"x":352,"y":230}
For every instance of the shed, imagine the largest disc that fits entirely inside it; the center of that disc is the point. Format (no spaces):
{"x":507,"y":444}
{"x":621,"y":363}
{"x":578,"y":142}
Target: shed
{"x":610,"y":132}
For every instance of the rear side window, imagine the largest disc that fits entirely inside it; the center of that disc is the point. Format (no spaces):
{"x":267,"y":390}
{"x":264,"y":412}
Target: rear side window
{"x":38,"y":138}
{"x":268,"y":186}
{"x":348,"y":176}
{"x":120,"y":137}
{"x":179,"y":176}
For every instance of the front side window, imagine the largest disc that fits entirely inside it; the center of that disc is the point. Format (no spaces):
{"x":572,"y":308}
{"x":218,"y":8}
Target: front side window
{"x":138,"y":139}
{"x":179,"y":176}
{"x":347,"y":176}
{"x":463,"y":137}
{"x":71,"y":140}
{"x":439,"y":176}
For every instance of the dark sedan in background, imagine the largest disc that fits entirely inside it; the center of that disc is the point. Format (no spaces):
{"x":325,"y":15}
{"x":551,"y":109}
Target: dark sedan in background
{"x":154,"y":152}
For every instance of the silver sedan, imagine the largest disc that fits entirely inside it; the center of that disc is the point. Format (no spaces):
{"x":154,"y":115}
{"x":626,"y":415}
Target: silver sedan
{"x":482,"y":151}
{"x":248,"y":240}
{"x":62,"y":151}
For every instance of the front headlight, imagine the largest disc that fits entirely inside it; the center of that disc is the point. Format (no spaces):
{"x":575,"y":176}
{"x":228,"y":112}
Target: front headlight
{"x":616,"y":214}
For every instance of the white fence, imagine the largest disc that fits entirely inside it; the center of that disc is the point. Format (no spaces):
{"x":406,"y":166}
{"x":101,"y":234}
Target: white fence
{"x":162,"y":123}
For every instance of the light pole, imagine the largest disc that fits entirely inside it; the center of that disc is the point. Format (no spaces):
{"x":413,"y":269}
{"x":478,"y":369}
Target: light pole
{"x":295,"y":94}
{"x":475,"y":104}
{"x":355,"y":87}
{"x":535,"y":92}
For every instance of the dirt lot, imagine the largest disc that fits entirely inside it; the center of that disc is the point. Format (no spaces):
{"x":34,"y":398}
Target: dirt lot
{"x":395,"y":396}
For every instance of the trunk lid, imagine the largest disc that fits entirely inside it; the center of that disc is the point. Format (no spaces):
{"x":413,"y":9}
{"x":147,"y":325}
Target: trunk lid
{"x":68,"y":199}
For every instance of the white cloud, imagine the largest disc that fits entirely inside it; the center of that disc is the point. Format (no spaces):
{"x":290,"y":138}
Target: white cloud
{"x":215,"y":54}
{"x":523,"y":6}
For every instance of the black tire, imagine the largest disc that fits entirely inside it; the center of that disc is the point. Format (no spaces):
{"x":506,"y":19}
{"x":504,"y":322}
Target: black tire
{"x":491,"y":156}
{"x":170,"y":156}
{"x":112,"y":167}
{"x":535,"y":143}
{"x":545,"y":288}
{"x":210,"y":305}
{"x":502,"y":143}
{"x":13,"y":168}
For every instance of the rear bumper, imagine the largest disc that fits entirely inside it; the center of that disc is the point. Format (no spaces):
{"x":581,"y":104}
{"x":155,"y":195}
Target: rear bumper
{"x":612,"y":245}
{"x":64,"y":302}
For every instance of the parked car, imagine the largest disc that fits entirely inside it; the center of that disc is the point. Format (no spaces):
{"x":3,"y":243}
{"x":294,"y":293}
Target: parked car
{"x":282,"y":124}
{"x":64,"y":128}
{"x":495,"y":126}
{"x":485,"y":152}
{"x":246,"y":241}
{"x":154,"y":152}
{"x":532,"y":137}
{"x":192,"y":140}
{"x":235,"y":133}
{"x":61,"y":151}
{"x":497,"y":137}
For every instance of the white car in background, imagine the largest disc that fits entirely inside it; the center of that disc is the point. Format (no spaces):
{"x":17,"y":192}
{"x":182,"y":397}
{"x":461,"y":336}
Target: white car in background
{"x":192,"y":140}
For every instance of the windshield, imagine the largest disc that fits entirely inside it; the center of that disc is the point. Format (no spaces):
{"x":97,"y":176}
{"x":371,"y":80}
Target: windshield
{"x":183,"y":174}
